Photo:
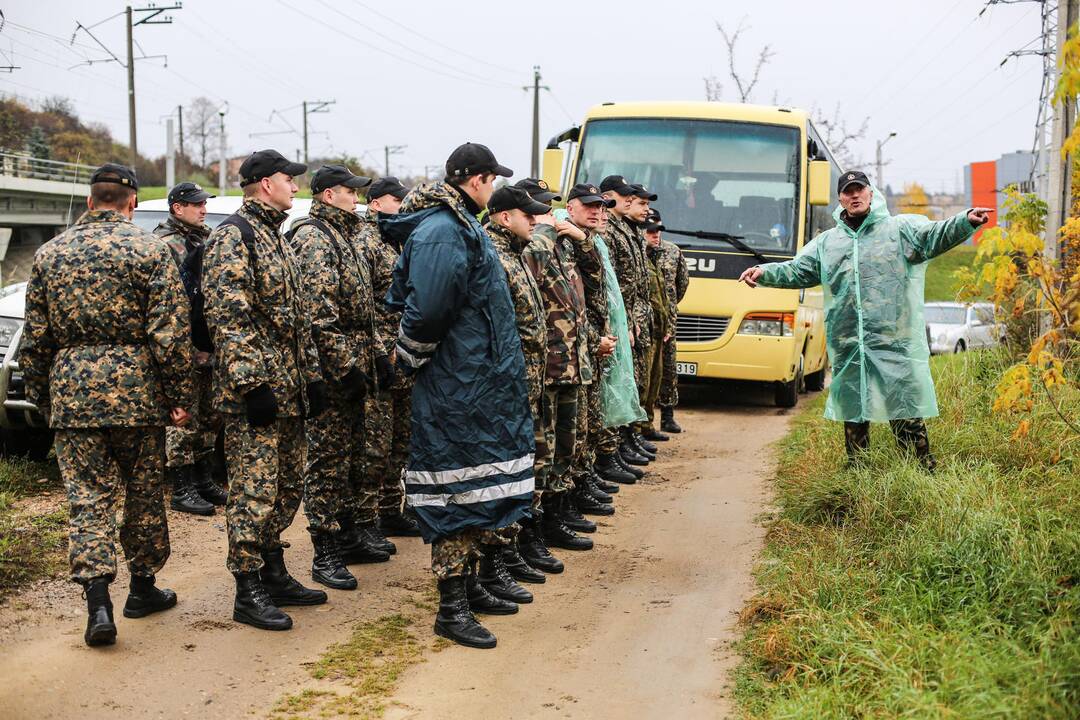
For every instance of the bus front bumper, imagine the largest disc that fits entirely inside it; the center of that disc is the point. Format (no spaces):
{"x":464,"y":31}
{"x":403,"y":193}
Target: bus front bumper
{"x":755,"y":358}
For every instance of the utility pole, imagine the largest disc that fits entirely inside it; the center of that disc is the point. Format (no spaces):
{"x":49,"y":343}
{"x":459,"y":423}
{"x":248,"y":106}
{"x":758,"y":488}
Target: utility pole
{"x":180,"y":114}
{"x":313,"y":106}
{"x":389,"y":150}
{"x":1064,"y":115}
{"x":536,"y":87}
{"x":132,"y":141}
{"x":170,"y":155}
{"x":880,"y":179}
{"x":221,"y":140}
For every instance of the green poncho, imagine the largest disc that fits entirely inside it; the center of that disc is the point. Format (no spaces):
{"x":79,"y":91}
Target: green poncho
{"x":618,"y":390}
{"x":872,"y":280}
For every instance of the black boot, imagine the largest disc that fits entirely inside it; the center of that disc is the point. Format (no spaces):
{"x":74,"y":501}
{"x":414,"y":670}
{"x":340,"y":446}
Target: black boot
{"x":609,"y":469}
{"x":589,"y":487}
{"x":184,"y":496}
{"x":356,"y":548}
{"x":571,"y":514}
{"x":637,"y":472}
{"x":376,"y":539}
{"x":519,"y":569}
{"x":587,"y":504}
{"x":455,"y":621}
{"x":643,"y":446}
{"x":534,"y":548}
{"x":396,"y":524}
{"x":253,"y":605}
{"x":203,"y":479}
{"x":652,"y":434}
{"x":483,"y":602}
{"x":283,"y":587}
{"x":144,"y":599}
{"x":100,"y":628}
{"x":667,"y":421}
{"x":556,"y":533}
{"x":497,"y":580}
{"x":631,"y":455}
{"x":603,"y":485}
{"x":326,"y":567}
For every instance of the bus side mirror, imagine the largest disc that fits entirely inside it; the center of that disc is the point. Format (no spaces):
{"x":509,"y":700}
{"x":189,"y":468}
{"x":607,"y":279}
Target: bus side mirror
{"x":818,"y":182}
{"x":552,"y":168}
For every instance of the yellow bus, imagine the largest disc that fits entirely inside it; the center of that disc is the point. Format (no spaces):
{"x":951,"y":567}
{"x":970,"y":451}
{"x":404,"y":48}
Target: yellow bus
{"x":738,"y":185}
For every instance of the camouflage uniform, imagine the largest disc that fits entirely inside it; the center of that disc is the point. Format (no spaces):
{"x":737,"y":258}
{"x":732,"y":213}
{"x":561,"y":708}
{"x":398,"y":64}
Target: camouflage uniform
{"x":388,"y":413}
{"x":337,"y":279}
{"x":260,"y":320}
{"x":658,"y":328}
{"x":187,"y":445}
{"x":106,"y":354}
{"x":910,"y":433}
{"x":455,"y":555}
{"x":627,"y":249}
{"x":676,"y":279}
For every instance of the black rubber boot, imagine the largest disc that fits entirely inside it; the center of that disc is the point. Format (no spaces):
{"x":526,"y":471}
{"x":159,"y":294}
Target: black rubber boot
{"x":355,"y":547}
{"x":571,"y":513}
{"x":611,"y":470}
{"x":455,"y":620}
{"x":100,"y":628}
{"x":587,"y":504}
{"x":556,"y":533}
{"x":144,"y":599}
{"x":667,"y":421}
{"x":534,"y":548}
{"x":497,"y":580}
{"x":253,"y":605}
{"x":185,"y":498}
{"x":397,"y":524}
{"x":642,"y":445}
{"x":652,"y":434}
{"x":283,"y":587}
{"x":483,"y":602}
{"x":519,"y":569}
{"x":326,"y":567}
{"x":202,"y":475}
{"x":374,"y":537}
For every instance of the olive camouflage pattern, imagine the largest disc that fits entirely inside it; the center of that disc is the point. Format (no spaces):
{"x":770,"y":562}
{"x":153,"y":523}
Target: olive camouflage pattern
{"x":676,"y":277}
{"x":108,"y":337}
{"x":265,"y":486}
{"x":652,"y":355}
{"x":561,"y":414}
{"x":258,"y":314}
{"x":99,"y":467}
{"x":590,"y":432}
{"x":454,"y":556}
{"x":334,"y":479}
{"x":627,"y":252}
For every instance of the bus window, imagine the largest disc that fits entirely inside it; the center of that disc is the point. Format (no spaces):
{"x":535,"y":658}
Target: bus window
{"x":820,"y":217}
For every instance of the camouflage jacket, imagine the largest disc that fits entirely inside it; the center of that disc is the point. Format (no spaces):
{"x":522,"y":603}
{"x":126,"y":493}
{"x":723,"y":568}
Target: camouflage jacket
{"x":381,"y":256}
{"x":181,"y":238}
{"x":676,"y":277}
{"x":528,"y":306}
{"x":258,"y":314}
{"x":107,"y":340}
{"x":628,"y":259}
{"x":337,"y":279}
{"x":561,"y":286}
{"x":658,"y":299}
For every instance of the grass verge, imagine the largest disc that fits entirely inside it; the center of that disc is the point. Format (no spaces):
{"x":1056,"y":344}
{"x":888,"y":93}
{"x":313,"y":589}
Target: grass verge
{"x":940,"y":284}
{"x":887,"y":592}
{"x":33,"y":539}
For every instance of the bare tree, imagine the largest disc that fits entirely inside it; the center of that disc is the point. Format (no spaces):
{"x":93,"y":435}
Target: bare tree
{"x":744,"y":87}
{"x":840,"y":138}
{"x":201,"y":125}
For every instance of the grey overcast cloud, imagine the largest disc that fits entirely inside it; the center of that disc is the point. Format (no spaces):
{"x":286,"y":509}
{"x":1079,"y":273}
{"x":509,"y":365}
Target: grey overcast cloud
{"x":430,"y":75}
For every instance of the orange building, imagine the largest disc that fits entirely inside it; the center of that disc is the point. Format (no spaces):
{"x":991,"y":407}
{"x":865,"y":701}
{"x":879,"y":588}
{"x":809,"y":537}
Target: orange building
{"x":984,"y":193}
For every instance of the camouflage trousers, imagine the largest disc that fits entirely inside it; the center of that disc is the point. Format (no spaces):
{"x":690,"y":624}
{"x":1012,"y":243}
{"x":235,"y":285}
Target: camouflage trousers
{"x":561,"y":432}
{"x":187,"y":445}
{"x":98,"y":467}
{"x":387,"y":428}
{"x":669,"y":382}
{"x":265,"y":486}
{"x":335,"y":484}
{"x":590,"y":425}
{"x":649,"y":384}
{"x":542,"y":457}
{"x":454,"y":556}
{"x":911,"y":436}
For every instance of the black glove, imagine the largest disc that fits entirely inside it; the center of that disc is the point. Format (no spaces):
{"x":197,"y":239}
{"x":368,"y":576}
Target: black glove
{"x":356,"y":383}
{"x":316,"y":398}
{"x":261,"y":406}
{"x":384,"y":371}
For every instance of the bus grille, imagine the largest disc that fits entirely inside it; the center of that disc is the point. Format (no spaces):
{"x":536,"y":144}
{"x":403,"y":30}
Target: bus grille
{"x":700,"y":328}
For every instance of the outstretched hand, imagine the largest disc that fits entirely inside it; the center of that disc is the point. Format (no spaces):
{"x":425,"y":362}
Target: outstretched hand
{"x":750,"y":276}
{"x":979,"y":216}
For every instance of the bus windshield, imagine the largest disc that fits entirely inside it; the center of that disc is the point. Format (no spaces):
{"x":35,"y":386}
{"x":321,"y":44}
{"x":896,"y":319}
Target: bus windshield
{"x":715,"y":176}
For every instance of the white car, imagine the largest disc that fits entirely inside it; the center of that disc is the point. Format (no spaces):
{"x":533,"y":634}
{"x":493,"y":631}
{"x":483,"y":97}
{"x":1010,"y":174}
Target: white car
{"x":953,"y":327}
{"x":152,"y":212}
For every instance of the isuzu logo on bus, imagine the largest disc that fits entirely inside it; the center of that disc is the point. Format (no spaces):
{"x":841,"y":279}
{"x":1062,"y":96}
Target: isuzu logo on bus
{"x":704,"y":265}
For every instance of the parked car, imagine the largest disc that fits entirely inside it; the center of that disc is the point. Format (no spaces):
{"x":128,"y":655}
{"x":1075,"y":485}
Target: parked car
{"x":152,"y":212}
{"x":953,"y":327}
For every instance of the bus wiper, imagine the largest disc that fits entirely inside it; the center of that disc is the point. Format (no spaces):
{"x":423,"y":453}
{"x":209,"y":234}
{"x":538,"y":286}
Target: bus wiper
{"x":736,"y":241}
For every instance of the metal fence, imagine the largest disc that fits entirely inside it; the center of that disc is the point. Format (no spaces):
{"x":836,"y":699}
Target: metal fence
{"x":24,"y":166}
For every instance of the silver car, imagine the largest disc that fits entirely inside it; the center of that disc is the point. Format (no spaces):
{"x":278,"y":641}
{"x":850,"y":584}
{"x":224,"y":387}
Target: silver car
{"x":953,"y":327}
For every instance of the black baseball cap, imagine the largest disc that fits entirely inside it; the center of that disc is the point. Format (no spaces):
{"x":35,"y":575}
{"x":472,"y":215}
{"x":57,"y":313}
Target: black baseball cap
{"x":264,"y":163}
{"x":538,"y":189}
{"x":509,"y":197}
{"x":588,"y":194}
{"x":188,"y":192}
{"x":853,"y":177}
{"x":643,"y":192}
{"x":618,"y":184}
{"x":329,"y":176}
{"x":474,"y":159}
{"x":653,"y":222}
{"x":388,"y":185}
{"x":115,"y":173}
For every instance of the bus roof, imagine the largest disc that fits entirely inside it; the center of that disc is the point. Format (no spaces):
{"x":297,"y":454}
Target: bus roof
{"x":771,"y":114}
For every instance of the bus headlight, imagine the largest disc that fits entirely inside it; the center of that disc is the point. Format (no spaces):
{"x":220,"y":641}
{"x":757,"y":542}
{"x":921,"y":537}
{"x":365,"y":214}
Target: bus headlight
{"x":770,"y":324}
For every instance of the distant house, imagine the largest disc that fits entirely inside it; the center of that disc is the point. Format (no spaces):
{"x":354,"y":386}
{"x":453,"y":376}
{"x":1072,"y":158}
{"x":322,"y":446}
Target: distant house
{"x":985,"y":182}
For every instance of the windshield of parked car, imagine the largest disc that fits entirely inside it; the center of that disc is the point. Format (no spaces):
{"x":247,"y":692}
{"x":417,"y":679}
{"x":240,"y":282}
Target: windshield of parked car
{"x":150,"y":219}
{"x":945,"y":315}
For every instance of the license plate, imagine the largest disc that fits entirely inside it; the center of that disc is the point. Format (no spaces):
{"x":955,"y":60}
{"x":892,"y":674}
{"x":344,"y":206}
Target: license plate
{"x":685,"y":368}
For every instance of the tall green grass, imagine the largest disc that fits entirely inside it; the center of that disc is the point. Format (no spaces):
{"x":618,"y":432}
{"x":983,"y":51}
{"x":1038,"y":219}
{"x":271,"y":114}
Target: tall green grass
{"x":888,"y":592}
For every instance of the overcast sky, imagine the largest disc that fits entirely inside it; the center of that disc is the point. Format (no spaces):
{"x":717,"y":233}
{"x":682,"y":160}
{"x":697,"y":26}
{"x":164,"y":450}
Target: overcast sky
{"x":430,"y":75}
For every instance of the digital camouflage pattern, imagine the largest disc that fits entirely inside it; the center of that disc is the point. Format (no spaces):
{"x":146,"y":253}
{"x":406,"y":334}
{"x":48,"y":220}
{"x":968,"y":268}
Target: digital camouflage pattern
{"x":387,"y":425}
{"x":652,"y":354}
{"x":182,"y":239}
{"x":454,"y":556}
{"x":334,"y":478}
{"x":676,"y":276}
{"x":381,"y":255}
{"x":99,"y":467}
{"x":259,"y":314}
{"x":189,"y":444}
{"x":108,"y":339}
{"x":265,"y":486}
{"x":590,"y":431}
{"x":627,"y":251}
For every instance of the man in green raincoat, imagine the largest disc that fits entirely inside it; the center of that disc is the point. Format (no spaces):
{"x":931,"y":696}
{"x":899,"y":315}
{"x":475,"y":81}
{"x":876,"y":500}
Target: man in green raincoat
{"x":872,"y":268}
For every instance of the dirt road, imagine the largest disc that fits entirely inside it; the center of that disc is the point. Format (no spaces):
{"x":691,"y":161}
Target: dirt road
{"x":637,"y":628}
